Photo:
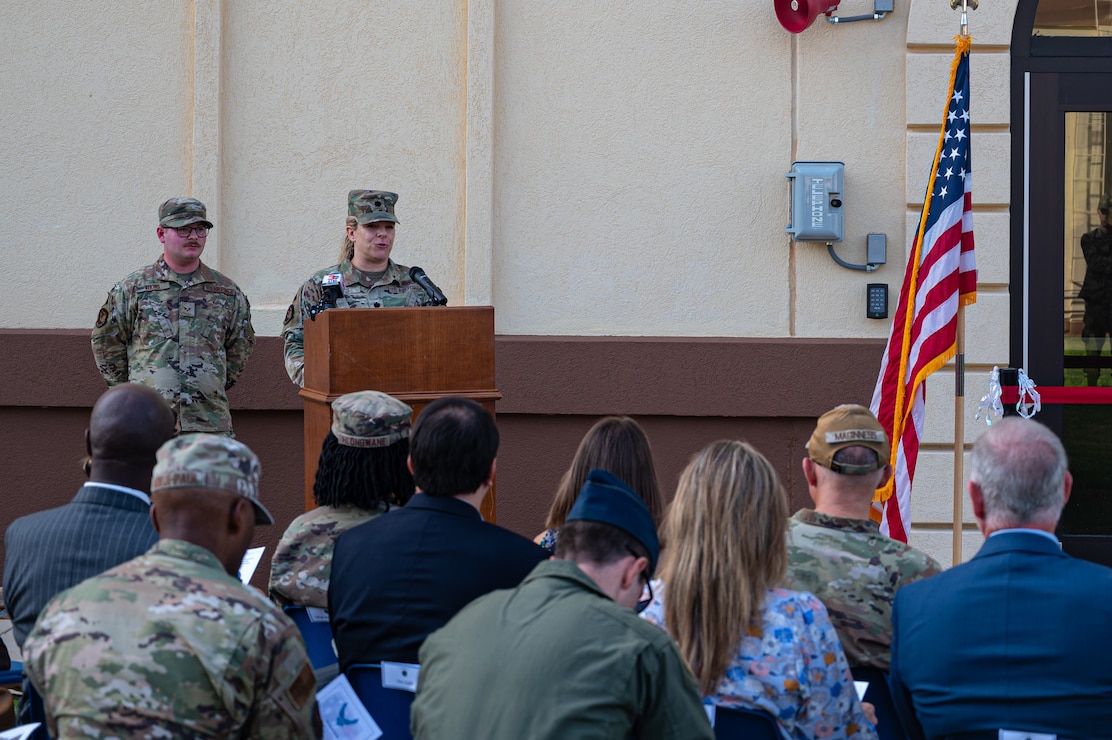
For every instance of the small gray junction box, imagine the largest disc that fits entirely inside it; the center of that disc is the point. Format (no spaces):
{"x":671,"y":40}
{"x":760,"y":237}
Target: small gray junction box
{"x":816,"y":201}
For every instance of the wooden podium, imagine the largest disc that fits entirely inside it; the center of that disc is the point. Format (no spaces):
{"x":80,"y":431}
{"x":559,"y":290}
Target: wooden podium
{"x":415,"y":354}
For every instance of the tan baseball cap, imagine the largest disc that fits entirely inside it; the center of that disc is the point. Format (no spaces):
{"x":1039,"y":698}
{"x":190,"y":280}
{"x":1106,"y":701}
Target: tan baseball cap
{"x":847,"y":426}
{"x":210,"y":461}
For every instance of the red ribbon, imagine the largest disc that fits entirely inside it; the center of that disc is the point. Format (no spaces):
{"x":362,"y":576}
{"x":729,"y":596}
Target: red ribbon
{"x":1060,"y":394}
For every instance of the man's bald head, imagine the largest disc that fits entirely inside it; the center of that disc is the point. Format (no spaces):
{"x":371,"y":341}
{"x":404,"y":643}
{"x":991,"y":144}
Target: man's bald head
{"x":128,"y":424}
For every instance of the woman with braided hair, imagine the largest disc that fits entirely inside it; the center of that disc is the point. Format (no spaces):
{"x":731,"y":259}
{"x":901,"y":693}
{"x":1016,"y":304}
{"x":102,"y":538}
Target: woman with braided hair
{"x":361,"y":473}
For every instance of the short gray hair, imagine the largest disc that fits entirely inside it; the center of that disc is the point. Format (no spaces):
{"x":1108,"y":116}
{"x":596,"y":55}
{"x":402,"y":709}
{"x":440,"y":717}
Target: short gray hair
{"x":1020,"y":467}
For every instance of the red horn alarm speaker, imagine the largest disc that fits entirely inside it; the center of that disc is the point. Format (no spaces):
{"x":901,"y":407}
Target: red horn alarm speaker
{"x":796,"y":15}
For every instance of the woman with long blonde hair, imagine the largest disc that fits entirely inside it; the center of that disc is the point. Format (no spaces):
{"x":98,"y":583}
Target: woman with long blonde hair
{"x":748,"y":642}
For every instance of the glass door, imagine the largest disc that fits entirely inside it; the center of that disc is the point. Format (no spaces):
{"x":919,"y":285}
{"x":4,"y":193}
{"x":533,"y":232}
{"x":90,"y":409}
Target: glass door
{"x":1068,"y":287}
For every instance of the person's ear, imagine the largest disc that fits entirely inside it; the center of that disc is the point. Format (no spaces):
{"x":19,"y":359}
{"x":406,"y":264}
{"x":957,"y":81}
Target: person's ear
{"x":977,"y":501}
{"x":241,"y":514}
{"x":154,"y":517}
{"x":493,"y":467}
{"x":409,"y":463}
{"x":885,"y":477}
{"x":631,"y":574}
{"x":809,"y":474}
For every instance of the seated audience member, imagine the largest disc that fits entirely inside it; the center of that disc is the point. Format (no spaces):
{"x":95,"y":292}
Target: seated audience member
{"x":108,"y":520}
{"x":618,"y":445}
{"x":106,"y":523}
{"x":836,"y":551}
{"x":400,"y":576}
{"x":361,"y":473}
{"x":171,"y":644}
{"x":1017,"y":638}
{"x":563,"y":655}
{"x":750,"y":643}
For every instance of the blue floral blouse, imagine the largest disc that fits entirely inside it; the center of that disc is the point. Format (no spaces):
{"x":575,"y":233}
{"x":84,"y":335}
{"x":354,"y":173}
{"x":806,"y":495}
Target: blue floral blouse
{"x":794,"y":669}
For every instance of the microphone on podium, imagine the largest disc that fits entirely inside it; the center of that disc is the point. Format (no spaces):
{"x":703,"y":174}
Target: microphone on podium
{"x":436,"y":296}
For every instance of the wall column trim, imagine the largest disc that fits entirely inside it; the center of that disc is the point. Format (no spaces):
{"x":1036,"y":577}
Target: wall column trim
{"x":206,"y":163}
{"x":478,"y":288}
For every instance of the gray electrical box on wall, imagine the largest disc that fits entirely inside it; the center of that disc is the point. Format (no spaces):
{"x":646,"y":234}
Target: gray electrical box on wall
{"x":816,"y":200}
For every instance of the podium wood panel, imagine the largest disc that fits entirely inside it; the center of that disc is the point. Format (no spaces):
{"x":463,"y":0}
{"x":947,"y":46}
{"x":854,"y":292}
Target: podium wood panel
{"x":415,"y":354}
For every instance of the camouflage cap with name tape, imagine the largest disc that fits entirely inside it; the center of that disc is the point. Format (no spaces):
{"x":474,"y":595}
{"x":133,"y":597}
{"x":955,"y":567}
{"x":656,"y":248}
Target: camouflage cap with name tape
{"x":213,"y":462}
{"x":370,"y":419}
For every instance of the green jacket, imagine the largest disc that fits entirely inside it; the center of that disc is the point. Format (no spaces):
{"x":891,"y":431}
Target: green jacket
{"x":554,"y":658}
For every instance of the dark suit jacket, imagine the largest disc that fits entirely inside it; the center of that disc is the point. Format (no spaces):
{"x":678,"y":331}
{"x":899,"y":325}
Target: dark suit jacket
{"x":1018,"y":638}
{"x":50,"y":551}
{"x":407,"y":572}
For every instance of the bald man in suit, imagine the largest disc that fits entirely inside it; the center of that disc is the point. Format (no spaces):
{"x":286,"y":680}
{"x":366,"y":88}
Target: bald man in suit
{"x":106,"y":523}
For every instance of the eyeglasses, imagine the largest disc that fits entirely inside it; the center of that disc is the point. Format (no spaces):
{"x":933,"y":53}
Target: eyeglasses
{"x":186,"y":231}
{"x":644,"y":601}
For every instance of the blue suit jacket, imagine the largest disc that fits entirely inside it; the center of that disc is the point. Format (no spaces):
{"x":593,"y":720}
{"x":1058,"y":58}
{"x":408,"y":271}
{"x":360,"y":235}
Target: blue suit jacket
{"x":405,"y":573}
{"x":50,"y":551}
{"x":1018,"y":638}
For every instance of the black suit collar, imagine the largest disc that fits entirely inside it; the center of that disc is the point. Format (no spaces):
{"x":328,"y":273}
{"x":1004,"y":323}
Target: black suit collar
{"x":446,"y":504}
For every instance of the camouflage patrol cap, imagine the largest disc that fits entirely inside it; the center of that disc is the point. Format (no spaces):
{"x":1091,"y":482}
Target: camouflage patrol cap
{"x":370,"y":419}
{"x":848,"y":426}
{"x":1105,"y":204}
{"x":210,"y":461}
{"x":178,"y":212}
{"x":369,"y":206}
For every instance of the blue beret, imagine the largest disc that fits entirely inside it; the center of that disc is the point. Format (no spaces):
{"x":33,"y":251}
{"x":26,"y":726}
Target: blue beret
{"x":604,"y":498}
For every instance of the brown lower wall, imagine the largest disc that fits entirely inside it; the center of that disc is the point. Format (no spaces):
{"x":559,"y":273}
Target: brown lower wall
{"x":685,"y":392}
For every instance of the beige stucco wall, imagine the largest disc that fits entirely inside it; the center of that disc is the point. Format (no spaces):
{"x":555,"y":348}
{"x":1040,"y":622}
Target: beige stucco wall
{"x":588,"y":169}
{"x":95,"y":118}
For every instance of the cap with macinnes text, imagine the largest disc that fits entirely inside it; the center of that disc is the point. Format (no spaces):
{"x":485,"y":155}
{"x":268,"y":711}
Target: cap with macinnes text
{"x":847,"y":426}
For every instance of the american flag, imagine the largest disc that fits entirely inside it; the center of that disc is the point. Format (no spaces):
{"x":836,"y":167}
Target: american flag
{"x":941,"y":275}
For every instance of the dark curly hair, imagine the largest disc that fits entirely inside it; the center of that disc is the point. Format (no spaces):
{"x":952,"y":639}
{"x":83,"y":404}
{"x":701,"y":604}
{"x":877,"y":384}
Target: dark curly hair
{"x":368,"y":477}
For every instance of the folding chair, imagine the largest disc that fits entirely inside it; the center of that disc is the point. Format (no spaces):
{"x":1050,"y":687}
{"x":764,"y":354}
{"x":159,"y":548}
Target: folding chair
{"x":317,"y":636}
{"x":388,"y":706}
{"x":878,"y":694}
{"x":739,"y":723}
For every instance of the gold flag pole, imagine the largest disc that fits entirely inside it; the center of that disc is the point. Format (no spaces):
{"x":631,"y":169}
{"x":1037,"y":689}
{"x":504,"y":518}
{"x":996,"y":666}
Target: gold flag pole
{"x":959,"y":433}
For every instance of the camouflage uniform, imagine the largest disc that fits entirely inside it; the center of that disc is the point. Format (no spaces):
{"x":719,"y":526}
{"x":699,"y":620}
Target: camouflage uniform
{"x":855,"y":571}
{"x":169,"y":645}
{"x":395,"y":288}
{"x":187,"y":339}
{"x":302,"y":563}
